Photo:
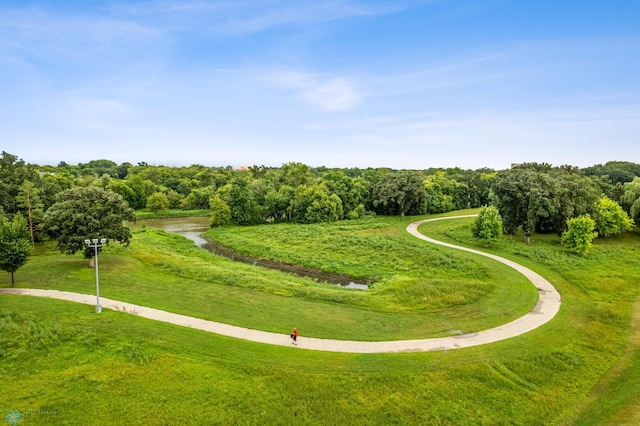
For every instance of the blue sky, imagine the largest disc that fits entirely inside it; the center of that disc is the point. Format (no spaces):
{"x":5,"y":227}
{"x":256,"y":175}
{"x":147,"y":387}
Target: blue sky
{"x":351,"y":83}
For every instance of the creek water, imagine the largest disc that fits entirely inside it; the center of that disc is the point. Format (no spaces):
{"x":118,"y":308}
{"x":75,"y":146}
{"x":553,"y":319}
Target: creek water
{"x":193,"y":228}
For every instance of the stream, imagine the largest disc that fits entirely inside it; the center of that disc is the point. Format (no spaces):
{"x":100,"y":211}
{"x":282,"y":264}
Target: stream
{"x":193,"y":228}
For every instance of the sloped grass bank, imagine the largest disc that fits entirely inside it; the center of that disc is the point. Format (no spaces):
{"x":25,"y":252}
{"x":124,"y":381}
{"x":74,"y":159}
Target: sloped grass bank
{"x":581,"y":368}
{"x":169,"y":272}
{"x":601,"y":290}
{"x":73,"y":366}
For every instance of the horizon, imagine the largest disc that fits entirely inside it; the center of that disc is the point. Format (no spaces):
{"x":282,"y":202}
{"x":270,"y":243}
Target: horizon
{"x":416,"y":84}
{"x":246,"y":167}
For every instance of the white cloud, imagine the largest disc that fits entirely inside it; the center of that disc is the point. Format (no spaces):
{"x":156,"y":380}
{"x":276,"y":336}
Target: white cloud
{"x":328,"y":94}
{"x":250,"y":16}
{"x":335,"y":94}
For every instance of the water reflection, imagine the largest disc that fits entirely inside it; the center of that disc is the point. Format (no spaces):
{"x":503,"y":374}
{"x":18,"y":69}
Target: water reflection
{"x":194,"y":227}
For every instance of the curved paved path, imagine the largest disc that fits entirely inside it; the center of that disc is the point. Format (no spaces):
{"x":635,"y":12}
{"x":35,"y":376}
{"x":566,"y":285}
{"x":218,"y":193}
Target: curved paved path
{"x":548,"y":305}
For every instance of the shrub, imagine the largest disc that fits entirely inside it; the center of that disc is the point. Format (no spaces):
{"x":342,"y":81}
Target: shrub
{"x":579,"y":234}
{"x":157,"y":202}
{"x":220,"y":212}
{"x":487,"y":226}
{"x":611,"y":219}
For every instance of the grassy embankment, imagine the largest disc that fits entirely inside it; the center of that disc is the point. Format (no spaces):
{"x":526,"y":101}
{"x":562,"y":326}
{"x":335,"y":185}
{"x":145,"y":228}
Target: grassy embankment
{"x":148,"y":214}
{"x":105,"y":368}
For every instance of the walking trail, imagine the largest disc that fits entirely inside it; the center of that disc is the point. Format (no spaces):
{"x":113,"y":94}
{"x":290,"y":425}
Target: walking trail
{"x":546,"y":308}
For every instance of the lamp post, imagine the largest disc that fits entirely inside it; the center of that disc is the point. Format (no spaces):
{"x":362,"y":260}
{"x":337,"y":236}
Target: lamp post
{"x":95,"y":244}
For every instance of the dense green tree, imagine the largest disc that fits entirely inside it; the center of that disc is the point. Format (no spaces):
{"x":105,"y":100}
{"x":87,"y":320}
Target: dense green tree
{"x":123,"y":170}
{"x":276,"y":204}
{"x":51,"y":184}
{"x":579,"y":234}
{"x":189,"y":202}
{"x":13,"y":172}
{"x":89,"y":212}
{"x":173,"y":198}
{"x":574,"y":196}
{"x":206,"y":177}
{"x":139,"y":188}
{"x":244,"y":209}
{"x":105,"y":180}
{"x":314,"y":203}
{"x":604,"y":183}
{"x":487,"y":226}
{"x":352,"y":191}
{"x":29,"y":200}
{"x":611,"y":219}
{"x":295,"y":174}
{"x":15,"y":246}
{"x":220,"y":212}
{"x":157,"y":202}
{"x":541,"y":198}
{"x":121,"y":188}
{"x":510,"y":191}
{"x":630,"y":199}
{"x":202,"y":197}
{"x":102,"y":167}
{"x":445,"y":194}
{"x":476,"y":187}
{"x":399,"y":192}
{"x":616,"y":171}
{"x":184,"y":187}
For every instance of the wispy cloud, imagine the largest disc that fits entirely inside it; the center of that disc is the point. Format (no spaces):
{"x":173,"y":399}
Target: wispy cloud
{"x":325,"y":93}
{"x":251,"y":16}
{"x":53,"y":28}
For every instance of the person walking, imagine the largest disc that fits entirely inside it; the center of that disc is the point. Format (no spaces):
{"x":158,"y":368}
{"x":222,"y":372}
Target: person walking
{"x":294,"y":336}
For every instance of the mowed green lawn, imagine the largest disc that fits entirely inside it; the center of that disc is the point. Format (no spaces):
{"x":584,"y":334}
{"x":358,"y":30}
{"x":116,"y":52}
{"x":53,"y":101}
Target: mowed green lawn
{"x":78,"y":367}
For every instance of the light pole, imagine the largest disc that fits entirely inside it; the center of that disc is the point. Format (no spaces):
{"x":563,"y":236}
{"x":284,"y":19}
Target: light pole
{"x":95,"y":243}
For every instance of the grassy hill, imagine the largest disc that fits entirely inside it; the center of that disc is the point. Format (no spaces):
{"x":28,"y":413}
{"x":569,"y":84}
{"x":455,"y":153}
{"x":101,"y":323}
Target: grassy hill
{"x":62,"y":363}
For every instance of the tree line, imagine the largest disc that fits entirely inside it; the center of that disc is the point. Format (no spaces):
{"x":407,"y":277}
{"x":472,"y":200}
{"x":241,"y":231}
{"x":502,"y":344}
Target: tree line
{"x":531,"y":197}
{"x":293,"y":192}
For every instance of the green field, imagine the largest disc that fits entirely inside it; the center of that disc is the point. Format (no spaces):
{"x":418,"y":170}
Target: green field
{"x":65,"y":364}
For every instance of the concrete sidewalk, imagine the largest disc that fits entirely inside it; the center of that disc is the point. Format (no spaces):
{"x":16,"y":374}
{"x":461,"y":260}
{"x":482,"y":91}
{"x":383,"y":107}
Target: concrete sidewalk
{"x":547,"y":307}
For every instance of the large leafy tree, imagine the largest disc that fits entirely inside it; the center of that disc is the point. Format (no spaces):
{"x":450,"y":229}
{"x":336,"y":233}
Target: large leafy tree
{"x":399,"y":192}
{"x":611,"y":219}
{"x":241,"y":200}
{"x":574,"y":196}
{"x":445,"y":194}
{"x":141,"y":190}
{"x":475,"y":189}
{"x":220,"y":212}
{"x":52,"y":184}
{"x":89,"y":212}
{"x":295,"y":174}
{"x":314,"y":203}
{"x":13,"y":172}
{"x":352,"y":191}
{"x":276,"y":203}
{"x":540,"y":198}
{"x":15,"y":246}
{"x":631,"y":198}
{"x":517,"y":197}
{"x":615,"y":171}
{"x":157,"y":202}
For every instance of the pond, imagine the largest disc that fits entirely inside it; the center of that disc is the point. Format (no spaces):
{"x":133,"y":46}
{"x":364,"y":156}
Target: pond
{"x":193,"y":228}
